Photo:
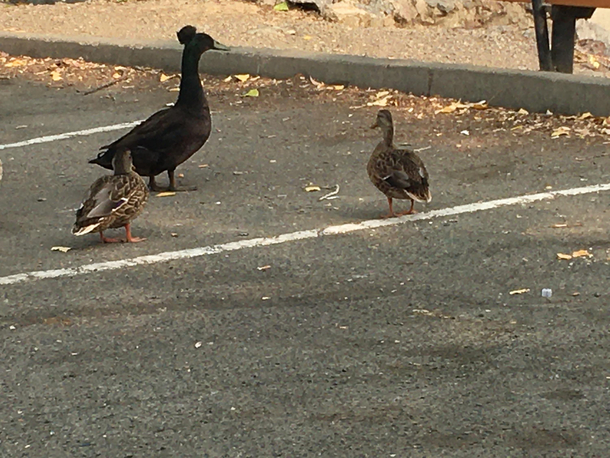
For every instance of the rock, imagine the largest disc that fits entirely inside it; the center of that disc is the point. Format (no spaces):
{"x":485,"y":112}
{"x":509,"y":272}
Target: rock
{"x":350,"y":15}
{"x":318,"y":5}
{"x":445,"y":6}
{"x":596,"y":28}
{"x":446,"y":13}
{"x":424,"y":12}
{"x":404,"y":11}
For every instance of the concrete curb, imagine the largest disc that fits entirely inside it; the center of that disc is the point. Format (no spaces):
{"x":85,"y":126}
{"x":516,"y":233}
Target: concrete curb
{"x":534,"y":91}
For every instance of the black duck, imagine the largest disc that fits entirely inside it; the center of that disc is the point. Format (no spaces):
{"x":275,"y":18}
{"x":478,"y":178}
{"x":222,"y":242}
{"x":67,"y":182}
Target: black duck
{"x":398,"y":173}
{"x":171,"y":136}
{"x":113,"y":201}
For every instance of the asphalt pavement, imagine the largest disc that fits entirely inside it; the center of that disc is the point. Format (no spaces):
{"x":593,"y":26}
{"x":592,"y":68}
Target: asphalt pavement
{"x":394,"y":341}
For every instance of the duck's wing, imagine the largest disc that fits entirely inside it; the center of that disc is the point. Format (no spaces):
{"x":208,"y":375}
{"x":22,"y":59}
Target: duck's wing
{"x":150,"y":141}
{"x":105,"y":199}
{"x":409,"y":173}
{"x":157,"y":132}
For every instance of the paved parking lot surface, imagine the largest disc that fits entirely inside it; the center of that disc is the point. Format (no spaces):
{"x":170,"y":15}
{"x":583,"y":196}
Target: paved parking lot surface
{"x":400,"y":340}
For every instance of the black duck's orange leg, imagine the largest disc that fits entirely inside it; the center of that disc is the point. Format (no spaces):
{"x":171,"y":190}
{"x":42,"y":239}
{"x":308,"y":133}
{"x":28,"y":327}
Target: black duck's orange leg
{"x":129,"y":237}
{"x":108,"y":239}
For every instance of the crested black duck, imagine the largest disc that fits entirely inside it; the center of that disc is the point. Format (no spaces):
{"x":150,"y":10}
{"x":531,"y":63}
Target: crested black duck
{"x":113,"y":201}
{"x":398,"y":173}
{"x":172,"y":135}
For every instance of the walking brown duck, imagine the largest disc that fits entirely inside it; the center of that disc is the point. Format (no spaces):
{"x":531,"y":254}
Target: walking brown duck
{"x":398,"y":173}
{"x":113,"y":201}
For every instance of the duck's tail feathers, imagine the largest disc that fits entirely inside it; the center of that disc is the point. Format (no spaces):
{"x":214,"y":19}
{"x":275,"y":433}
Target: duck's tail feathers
{"x":425,"y":196}
{"x":78,"y":230}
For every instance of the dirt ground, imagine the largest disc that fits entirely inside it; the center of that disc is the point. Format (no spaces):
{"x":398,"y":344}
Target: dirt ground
{"x":238,"y":23}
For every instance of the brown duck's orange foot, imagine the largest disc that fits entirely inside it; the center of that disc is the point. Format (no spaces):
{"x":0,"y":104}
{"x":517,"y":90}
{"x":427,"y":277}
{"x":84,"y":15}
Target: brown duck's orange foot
{"x":129,"y":237}
{"x":391,"y":214}
{"x":408,"y":212}
{"x":110,"y":240}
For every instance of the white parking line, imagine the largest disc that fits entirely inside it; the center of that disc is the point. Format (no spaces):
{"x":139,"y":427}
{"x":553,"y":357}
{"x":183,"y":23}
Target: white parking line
{"x":293,"y":236}
{"x":78,"y":133}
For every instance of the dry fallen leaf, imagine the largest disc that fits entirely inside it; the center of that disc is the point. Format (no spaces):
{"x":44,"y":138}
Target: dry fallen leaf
{"x":174,"y":234}
{"x":519,"y":291}
{"x":63,"y":249}
{"x":382,"y":102}
{"x":312,"y":188}
{"x":564,"y":257}
{"x":281,"y":6}
{"x":594,"y":62}
{"x":203,"y":166}
{"x":264,"y":267}
{"x":317,"y":84}
{"x":581,"y":254}
{"x":243,"y":77}
{"x":482,"y":105}
{"x":55,"y":76}
{"x":228,"y":79}
{"x":586,"y":115}
{"x":559,"y":225}
{"x":453,"y":107}
{"x":16,"y":63}
{"x":523,"y":111}
{"x":163,"y":77}
{"x":166,"y":194}
{"x":252,"y":93}
{"x":338,"y":87}
{"x":560,"y":131}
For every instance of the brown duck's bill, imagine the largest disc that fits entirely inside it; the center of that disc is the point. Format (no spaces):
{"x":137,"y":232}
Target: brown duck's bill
{"x":375,"y":126}
{"x":220,"y":46}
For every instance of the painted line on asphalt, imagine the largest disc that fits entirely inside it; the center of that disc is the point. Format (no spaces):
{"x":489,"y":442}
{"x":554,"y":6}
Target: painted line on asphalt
{"x":294,"y":236}
{"x":66,"y":135}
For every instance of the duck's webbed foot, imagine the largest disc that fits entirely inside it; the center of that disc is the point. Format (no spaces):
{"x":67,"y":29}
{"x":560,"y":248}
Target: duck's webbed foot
{"x":108,"y":239}
{"x":174,"y":188}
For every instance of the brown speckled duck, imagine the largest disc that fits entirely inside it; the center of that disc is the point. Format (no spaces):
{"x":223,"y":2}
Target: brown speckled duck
{"x":398,"y":173}
{"x":171,"y":136}
{"x":113,"y":201}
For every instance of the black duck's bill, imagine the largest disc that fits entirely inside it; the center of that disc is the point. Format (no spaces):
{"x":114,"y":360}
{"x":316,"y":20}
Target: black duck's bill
{"x":220,"y":46}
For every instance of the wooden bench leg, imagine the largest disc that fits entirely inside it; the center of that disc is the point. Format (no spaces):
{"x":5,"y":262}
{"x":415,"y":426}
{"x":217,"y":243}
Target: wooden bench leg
{"x":564,"y":33}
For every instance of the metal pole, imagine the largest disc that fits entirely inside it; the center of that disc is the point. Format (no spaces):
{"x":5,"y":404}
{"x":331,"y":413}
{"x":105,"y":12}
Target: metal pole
{"x":542,"y":36}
